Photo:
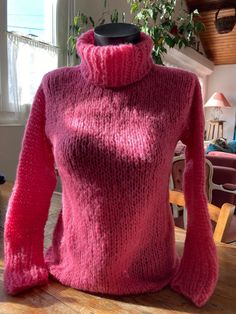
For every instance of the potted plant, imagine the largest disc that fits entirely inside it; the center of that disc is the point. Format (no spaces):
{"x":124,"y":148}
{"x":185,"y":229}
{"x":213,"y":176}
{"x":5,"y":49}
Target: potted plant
{"x":156,"y":18}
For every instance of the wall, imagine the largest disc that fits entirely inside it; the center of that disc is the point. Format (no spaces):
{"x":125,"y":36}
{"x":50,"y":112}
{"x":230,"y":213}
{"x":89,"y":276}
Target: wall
{"x":10,"y":146}
{"x":95,"y":8}
{"x":10,"y":143}
{"x":223,"y":80}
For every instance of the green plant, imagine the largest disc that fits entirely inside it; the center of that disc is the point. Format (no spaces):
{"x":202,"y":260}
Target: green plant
{"x":156,"y":18}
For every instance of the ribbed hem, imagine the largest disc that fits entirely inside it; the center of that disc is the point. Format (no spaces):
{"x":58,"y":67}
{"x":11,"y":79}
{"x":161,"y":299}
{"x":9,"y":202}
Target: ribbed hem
{"x":115,"y":284}
{"x":17,"y":281}
{"x":114,"y":65}
{"x":131,"y":287}
{"x":24,"y":265}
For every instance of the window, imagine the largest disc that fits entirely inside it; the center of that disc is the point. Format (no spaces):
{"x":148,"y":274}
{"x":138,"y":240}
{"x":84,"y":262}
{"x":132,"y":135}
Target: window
{"x":28,"y":51}
{"x":36,"y":18}
{"x":26,"y":17}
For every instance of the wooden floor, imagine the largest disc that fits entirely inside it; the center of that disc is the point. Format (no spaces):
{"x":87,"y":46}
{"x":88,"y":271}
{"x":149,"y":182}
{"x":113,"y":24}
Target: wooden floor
{"x":56,"y":298}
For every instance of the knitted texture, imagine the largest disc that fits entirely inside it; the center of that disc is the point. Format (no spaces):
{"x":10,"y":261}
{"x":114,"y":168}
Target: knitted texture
{"x":111,"y":125}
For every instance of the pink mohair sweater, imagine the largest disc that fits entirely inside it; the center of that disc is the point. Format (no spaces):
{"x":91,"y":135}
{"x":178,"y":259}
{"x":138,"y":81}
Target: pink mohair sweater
{"x":111,"y":125}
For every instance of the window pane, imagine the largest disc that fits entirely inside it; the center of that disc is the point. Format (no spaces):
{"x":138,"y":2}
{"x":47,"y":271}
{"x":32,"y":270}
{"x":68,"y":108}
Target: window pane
{"x":26,"y":17}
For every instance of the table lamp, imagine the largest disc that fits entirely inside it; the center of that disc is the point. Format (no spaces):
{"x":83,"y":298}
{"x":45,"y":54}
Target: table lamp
{"x":217,"y":101}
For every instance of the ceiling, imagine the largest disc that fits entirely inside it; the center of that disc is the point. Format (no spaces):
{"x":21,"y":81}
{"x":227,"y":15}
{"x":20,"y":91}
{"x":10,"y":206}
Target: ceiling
{"x":219,"y":48}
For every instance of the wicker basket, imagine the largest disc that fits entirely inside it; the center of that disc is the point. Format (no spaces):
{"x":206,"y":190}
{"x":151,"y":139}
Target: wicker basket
{"x":225,"y":24}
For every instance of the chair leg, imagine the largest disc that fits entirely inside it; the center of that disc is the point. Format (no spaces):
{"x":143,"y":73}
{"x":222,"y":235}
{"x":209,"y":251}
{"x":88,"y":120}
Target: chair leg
{"x":209,"y":132}
{"x":175,"y":211}
{"x":185,"y":218}
{"x":213,"y":132}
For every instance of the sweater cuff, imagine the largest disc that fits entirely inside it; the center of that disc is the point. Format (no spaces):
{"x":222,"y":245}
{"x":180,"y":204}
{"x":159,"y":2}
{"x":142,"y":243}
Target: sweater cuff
{"x":17,"y":281}
{"x":197,"y":274}
{"x":24,"y":265}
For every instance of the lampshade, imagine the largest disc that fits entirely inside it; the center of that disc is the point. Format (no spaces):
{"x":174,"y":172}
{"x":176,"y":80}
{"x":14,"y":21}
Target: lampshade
{"x":217,"y":100}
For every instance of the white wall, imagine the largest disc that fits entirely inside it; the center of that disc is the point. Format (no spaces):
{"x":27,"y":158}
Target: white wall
{"x":10,"y":144}
{"x":223,"y":79}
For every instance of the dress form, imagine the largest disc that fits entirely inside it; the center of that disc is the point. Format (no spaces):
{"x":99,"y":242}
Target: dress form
{"x":116,"y":33}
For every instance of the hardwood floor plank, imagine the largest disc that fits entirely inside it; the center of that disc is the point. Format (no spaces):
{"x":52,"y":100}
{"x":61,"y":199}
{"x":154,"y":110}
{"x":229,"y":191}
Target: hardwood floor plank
{"x":34,"y":301}
{"x":92,"y":303}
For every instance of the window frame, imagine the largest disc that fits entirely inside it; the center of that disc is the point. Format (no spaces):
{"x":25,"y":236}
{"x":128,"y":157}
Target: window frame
{"x":3,"y":54}
{"x":7,"y":117}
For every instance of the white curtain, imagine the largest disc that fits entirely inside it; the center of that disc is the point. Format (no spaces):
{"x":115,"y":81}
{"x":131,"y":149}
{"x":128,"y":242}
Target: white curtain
{"x":28,"y":61}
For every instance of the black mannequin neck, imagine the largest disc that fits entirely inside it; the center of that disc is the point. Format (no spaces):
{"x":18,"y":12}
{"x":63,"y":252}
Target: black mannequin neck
{"x":116,"y":33}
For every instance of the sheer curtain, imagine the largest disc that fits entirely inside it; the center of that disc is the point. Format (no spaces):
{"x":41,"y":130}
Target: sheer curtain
{"x":28,"y":61}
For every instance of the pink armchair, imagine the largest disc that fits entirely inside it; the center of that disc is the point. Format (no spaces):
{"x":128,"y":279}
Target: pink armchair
{"x":224,"y":175}
{"x":224,"y":165}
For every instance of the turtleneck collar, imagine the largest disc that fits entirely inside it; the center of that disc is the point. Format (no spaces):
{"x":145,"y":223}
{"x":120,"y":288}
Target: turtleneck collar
{"x":114,"y":65}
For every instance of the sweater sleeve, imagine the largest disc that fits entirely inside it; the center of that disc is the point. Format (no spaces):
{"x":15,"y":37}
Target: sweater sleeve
{"x":29,"y":204}
{"x":198,"y":271}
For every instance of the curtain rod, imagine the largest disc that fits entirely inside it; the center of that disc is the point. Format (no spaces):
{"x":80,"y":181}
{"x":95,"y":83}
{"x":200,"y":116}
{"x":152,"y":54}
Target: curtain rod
{"x":29,"y":38}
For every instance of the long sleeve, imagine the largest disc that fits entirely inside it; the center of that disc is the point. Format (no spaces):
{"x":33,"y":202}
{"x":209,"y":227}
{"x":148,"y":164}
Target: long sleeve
{"x":198,"y":272}
{"x":29,"y":204}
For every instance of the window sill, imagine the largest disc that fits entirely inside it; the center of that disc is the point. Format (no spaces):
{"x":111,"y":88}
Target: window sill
{"x":11,"y":124}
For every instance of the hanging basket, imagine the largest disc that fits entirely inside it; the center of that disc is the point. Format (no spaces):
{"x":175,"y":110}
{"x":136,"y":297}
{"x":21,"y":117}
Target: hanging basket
{"x":225,"y":24}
